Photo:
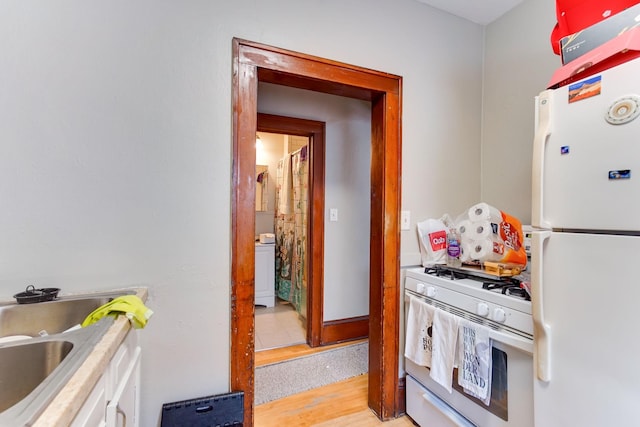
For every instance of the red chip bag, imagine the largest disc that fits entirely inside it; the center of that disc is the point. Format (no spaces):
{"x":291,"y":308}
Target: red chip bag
{"x":432,"y":236}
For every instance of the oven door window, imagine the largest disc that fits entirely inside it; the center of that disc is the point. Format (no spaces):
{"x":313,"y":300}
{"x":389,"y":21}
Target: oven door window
{"x":498,"y":404}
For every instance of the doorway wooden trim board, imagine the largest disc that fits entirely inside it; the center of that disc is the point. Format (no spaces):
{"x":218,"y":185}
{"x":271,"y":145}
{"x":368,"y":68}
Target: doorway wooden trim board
{"x":254,"y":62}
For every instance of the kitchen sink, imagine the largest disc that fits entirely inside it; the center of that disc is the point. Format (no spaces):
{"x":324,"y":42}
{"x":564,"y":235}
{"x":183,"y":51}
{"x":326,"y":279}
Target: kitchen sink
{"x":23,"y":367}
{"x":35,"y":368}
{"x":49,"y":318}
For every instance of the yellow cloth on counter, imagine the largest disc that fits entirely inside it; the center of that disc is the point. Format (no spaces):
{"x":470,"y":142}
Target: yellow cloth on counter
{"x":129,"y":305}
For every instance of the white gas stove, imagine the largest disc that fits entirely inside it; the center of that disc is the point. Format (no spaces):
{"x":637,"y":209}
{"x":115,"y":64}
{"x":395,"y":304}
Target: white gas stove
{"x":504,"y":308}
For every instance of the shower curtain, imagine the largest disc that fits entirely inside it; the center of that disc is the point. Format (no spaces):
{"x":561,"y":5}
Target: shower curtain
{"x":291,"y":228}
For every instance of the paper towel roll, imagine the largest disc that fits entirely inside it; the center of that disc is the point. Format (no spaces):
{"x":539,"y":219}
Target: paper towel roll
{"x":484,"y":212}
{"x":480,"y":230}
{"x":466,"y":251}
{"x":481,"y":250}
{"x":489,"y":249}
{"x":465,"y":228}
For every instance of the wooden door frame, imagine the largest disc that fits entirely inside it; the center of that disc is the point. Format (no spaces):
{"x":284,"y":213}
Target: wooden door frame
{"x":315,"y":131}
{"x":254,"y":62}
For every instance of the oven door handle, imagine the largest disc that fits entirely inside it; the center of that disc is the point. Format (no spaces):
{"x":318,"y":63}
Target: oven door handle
{"x":541,"y":329}
{"x":511,"y":340}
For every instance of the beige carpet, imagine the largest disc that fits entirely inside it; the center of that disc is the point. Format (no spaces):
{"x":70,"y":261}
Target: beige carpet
{"x":281,"y":379}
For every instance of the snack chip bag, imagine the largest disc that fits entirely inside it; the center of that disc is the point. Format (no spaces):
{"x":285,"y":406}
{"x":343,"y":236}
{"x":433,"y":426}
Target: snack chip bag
{"x":432,"y":234}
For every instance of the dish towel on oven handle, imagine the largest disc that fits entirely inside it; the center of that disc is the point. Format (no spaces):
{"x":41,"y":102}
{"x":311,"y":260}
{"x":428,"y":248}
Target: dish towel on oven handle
{"x":475,"y":360}
{"x":443,"y":357}
{"x":418,"y":340}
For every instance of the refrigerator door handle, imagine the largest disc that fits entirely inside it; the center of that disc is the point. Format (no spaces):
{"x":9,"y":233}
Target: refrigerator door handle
{"x":542,"y":133}
{"x":541,"y":330}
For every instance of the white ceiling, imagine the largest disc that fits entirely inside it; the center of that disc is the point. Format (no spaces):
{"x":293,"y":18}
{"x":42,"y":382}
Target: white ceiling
{"x":478,"y":11}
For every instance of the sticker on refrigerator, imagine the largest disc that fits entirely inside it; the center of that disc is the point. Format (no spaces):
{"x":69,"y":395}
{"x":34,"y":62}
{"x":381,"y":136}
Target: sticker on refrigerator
{"x":585,"y":89}
{"x":564,"y":149}
{"x":620,"y":174}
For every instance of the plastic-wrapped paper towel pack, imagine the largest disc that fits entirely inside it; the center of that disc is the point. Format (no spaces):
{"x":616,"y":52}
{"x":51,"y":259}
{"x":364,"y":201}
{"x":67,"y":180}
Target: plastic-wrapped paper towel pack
{"x":489,"y":234}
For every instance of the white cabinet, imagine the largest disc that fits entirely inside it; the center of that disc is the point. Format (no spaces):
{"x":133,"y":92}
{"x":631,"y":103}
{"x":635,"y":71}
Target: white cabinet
{"x":92,"y":413}
{"x":122,"y":409}
{"x":115,"y":399}
{"x":265,"y":283}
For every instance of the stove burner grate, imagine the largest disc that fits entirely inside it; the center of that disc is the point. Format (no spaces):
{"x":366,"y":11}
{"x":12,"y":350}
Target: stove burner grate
{"x":449,"y":273}
{"x":517,"y":291}
{"x":507,"y":285}
{"x":511,"y":288}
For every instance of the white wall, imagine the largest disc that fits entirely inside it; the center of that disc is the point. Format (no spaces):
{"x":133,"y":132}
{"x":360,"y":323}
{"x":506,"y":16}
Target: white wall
{"x":115,"y":122}
{"x":441,"y":124}
{"x":519,"y":63}
{"x":272,"y":151}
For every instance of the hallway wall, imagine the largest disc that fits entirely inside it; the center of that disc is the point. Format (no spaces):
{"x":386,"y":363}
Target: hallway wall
{"x":347,"y":188}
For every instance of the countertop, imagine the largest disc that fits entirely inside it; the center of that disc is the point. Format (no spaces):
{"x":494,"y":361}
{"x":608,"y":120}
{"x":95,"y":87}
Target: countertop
{"x":64,"y":407}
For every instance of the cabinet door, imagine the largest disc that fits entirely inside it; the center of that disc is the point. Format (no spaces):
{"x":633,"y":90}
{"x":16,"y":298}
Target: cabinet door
{"x":92,"y":413}
{"x":120,"y":362}
{"x":122,"y":410}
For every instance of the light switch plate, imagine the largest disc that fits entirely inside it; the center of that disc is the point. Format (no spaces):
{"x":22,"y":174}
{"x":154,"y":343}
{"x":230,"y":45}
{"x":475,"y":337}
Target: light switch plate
{"x":333,"y":214}
{"x":405,"y":220}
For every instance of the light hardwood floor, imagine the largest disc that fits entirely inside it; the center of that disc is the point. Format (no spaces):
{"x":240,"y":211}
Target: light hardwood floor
{"x":342,"y":404}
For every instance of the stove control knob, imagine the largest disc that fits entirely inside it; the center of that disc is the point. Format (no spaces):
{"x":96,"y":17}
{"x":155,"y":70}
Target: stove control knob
{"x":431,"y":292}
{"x":499,"y":315}
{"x":482,"y":309}
{"x":420,"y":288}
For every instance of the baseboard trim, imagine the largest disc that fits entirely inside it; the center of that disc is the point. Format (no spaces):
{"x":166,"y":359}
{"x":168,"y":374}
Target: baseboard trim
{"x":353,"y":328}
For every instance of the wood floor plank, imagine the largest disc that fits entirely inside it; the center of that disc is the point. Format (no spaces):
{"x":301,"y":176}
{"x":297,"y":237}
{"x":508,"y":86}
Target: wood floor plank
{"x":366,"y":418}
{"x":339,"y":404}
{"x":342,"y":404}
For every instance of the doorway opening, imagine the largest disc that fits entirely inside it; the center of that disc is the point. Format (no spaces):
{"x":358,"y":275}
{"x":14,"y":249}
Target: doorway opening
{"x":314,"y":133}
{"x":253,"y":62}
{"x":281,"y":286}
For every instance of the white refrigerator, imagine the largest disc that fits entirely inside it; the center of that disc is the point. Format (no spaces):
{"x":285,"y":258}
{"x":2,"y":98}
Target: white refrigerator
{"x":585,"y":254}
